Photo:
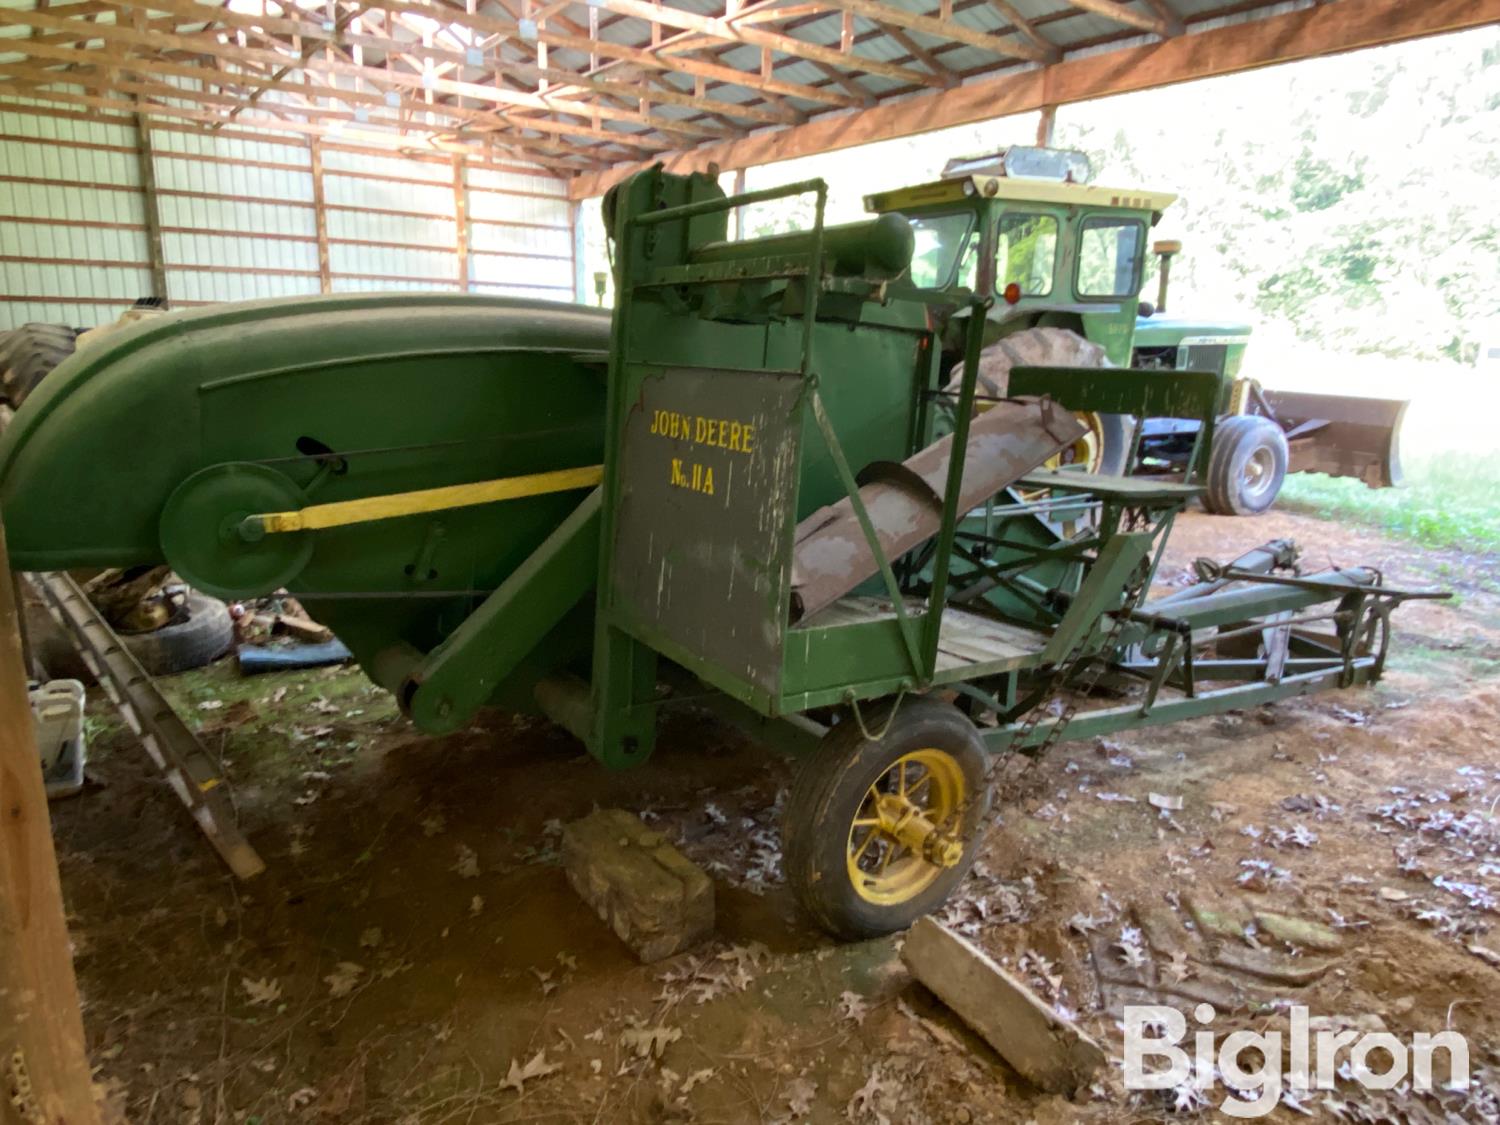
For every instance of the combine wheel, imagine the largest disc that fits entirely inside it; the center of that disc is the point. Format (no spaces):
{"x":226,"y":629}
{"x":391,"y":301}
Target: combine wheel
{"x":1246,"y":466}
{"x":878,"y":832}
{"x":28,"y":354}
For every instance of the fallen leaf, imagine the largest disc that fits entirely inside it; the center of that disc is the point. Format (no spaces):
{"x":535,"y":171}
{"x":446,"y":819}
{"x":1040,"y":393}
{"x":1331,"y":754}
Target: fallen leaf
{"x":301,"y":1098}
{"x":697,"y":1078}
{"x":864,"y":1105}
{"x":1485,"y":953}
{"x":536,"y":1067}
{"x":852,"y":1006}
{"x":263,"y":991}
{"x":467,"y":864}
{"x":649,"y":1042}
{"x":344,"y":977}
{"x":1165,"y":802}
{"x":800,"y":1094}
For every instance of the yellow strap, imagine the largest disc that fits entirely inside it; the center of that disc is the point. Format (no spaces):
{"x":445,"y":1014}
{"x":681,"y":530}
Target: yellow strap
{"x":429,"y":500}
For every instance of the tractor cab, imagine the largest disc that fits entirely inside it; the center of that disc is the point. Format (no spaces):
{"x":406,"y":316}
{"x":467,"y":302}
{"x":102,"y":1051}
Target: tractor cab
{"x":1026,"y":228}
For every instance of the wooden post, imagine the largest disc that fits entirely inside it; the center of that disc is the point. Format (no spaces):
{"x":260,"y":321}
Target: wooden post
{"x":320,"y":217}
{"x":44,"y":1072}
{"x":154,"y":253}
{"x":1045,"y":126}
{"x":461,"y":221}
{"x":582,"y":293}
{"x":739,"y":212}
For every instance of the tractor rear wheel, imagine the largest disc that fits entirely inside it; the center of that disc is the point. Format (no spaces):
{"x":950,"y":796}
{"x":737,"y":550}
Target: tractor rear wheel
{"x":29,"y":353}
{"x":1246,"y":466}
{"x":1105,"y":448}
{"x":879,"y":831}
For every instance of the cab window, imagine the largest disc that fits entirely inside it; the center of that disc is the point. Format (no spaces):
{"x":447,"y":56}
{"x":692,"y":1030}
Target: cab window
{"x":1026,"y":253}
{"x":942,"y":242}
{"x":1109,"y":257}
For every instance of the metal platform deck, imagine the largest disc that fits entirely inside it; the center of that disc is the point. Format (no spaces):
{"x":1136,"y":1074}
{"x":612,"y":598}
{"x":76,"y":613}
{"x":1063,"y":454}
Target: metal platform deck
{"x":970,"y":644}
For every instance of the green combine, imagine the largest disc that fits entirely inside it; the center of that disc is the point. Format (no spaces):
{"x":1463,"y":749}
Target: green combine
{"x":757,"y":487}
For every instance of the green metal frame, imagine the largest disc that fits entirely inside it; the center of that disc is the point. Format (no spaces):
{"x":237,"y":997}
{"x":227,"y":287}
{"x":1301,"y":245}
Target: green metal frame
{"x":1071,"y":595}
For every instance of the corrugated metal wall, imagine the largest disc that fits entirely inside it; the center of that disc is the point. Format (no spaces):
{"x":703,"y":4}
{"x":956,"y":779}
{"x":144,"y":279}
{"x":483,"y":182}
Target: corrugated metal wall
{"x":239,"y":218}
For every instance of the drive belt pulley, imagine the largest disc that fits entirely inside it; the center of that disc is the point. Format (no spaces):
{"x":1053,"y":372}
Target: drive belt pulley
{"x":240,"y":529}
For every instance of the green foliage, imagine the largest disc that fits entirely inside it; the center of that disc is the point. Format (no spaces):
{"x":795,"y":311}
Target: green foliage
{"x":1449,"y":500}
{"x":1353,"y":202}
{"x":1317,"y":185}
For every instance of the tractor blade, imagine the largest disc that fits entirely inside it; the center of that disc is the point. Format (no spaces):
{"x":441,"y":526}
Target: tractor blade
{"x":1342,"y":435}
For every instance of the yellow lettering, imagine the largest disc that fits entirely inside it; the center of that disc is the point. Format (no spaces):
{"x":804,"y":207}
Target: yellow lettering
{"x":708,"y":480}
{"x":749,"y":437}
{"x":734,"y":437}
{"x":699,"y":428}
{"x":655,"y":419}
{"x":677,"y":477}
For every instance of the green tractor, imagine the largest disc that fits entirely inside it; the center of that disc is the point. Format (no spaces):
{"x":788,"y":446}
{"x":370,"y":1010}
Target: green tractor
{"x":1064,"y":260}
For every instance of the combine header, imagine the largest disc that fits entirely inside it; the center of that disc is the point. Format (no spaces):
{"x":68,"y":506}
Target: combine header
{"x":754,"y":491}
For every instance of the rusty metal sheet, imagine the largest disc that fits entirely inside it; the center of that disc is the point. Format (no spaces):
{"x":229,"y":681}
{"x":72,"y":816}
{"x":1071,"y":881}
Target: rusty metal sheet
{"x":832,"y":556}
{"x":1342,"y":435}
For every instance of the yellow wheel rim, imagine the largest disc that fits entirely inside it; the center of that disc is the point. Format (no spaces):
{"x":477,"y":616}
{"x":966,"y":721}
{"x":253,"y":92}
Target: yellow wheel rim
{"x":905,"y":833}
{"x":1085,"y":454}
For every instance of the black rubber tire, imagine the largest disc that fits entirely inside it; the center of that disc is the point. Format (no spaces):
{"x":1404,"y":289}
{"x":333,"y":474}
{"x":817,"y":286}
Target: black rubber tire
{"x":1236,"y":441}
{"x":827,"y":794}
{"x":206,"y":635}
{"x":1050,"y":346}
{"x":1114,"y":440}
{"x":28,"y":354}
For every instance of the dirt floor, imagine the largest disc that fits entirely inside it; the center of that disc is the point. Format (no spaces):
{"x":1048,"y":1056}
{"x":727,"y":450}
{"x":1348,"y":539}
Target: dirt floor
{"x":415,"y":954}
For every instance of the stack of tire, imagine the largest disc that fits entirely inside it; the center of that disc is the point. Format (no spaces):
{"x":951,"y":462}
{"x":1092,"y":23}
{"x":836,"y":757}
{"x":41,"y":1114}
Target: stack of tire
{"x":203,"y":631}
{"x":27,"y":354}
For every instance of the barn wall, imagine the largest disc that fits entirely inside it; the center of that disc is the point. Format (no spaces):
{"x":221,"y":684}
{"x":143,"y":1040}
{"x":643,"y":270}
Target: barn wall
{"x":240,"y":219}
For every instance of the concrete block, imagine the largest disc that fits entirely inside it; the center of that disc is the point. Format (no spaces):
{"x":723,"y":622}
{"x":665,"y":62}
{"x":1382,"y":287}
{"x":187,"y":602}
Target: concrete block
{"x":1045,"y":1048}
{"x":657,"y":900}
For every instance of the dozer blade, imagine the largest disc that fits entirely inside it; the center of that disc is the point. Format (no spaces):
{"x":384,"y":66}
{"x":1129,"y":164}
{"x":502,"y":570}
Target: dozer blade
{"x":1342,"y":435}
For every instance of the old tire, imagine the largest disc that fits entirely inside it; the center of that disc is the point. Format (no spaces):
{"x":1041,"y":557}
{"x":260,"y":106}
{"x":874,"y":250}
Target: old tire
{"x":1108,"y":444}
{"x":1246,"y":466}
{"x":851,"y":875}
{"x":28,"y":354}
{"x":206,"y":635}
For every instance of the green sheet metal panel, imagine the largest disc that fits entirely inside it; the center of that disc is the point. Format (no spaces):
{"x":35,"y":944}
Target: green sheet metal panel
{"x":708,"y":495}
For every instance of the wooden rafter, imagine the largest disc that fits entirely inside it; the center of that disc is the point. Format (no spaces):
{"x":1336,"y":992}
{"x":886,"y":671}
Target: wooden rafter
{"x":718,"y":28}
{"x":573,"y":87}
{"x":1340,"y":25}
{"x":1120,"y":12}
{"x":378,"y":77}
{"x":942,"y":28}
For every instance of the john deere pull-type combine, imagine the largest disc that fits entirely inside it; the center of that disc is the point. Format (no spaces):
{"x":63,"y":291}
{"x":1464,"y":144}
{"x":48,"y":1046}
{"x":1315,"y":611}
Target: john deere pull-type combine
{"x":753,"y":490}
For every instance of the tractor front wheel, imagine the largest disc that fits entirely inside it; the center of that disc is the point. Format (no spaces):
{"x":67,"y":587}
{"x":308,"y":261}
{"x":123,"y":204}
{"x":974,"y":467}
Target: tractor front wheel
{"x":1246,"y":466}
{"x":879,"y":831}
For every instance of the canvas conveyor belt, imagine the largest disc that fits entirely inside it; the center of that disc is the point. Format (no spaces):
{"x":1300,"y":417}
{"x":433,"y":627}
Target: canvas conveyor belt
{"x":905,"y":501}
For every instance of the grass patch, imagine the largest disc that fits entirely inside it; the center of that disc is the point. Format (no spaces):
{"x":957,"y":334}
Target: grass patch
{"x":1449,"y":500}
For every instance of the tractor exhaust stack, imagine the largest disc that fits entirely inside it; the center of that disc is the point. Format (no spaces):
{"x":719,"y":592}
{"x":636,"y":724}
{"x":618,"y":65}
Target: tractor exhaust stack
{"x":1166,"y":250}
